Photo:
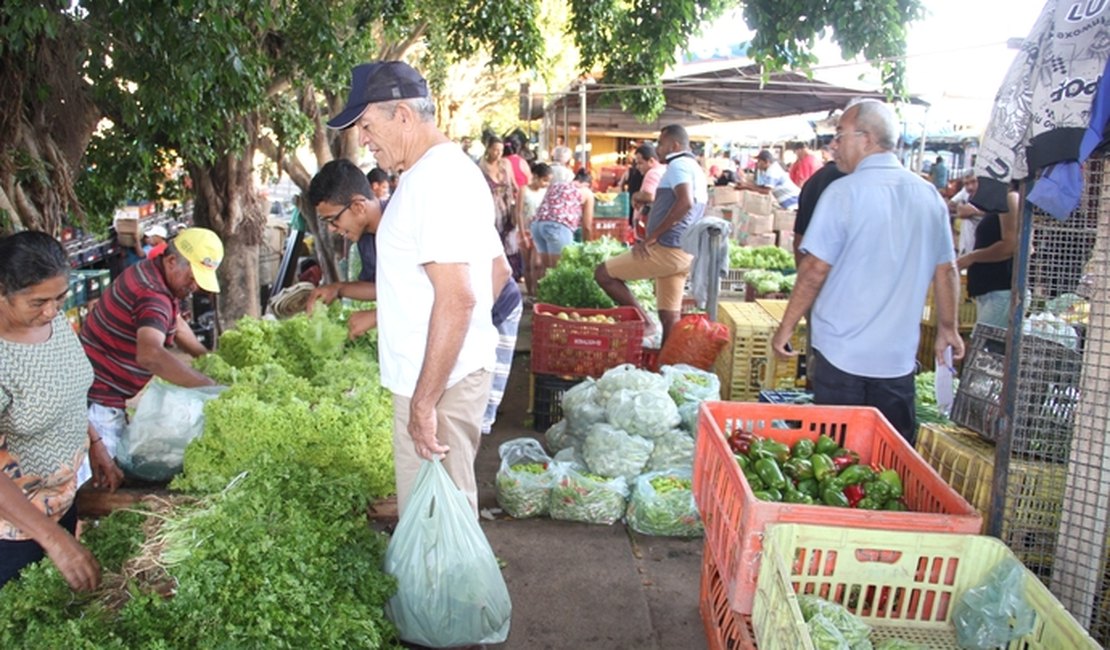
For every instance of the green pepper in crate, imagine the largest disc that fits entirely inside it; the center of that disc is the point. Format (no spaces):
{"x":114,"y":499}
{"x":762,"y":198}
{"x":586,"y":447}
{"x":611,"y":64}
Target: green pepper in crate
{"x":804,"y":448}
{"x":877,"y":490}
{"x":895,"y":505}
{"x":796,"y":496}
{"x":825,"y":445}
{"x":809,"y":487}
{"x":834,"y":497}
{"x":822,"y":466}
{"x":780,"y":451}
{"x":798,"y":468}
{"x":868,"y":503}
{"x":891,"y":478}
{"x":855,"y":474}
{"x":771,"y":473}
{"x":742,"y":461}
{"x":754,"y":481}
{"x":757,"y":449}
{"x":768,"y":495}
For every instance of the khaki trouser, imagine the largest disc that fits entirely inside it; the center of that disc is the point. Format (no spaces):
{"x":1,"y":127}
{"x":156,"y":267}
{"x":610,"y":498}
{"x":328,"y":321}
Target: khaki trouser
{"x":458,"y":425}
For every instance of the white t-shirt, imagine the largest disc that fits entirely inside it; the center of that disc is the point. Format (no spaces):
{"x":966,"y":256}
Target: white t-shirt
{"x":442,"y":212}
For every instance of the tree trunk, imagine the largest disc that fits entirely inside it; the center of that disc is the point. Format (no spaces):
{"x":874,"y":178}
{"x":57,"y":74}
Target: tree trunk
{"x":227,"y":203}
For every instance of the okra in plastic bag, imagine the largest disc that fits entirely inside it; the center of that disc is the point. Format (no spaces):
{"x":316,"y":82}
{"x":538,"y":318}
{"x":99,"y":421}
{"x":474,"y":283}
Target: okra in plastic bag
{"x":996,"y":612}
{"x":853,"y":628}
{"x":673,"y":450}
{"x":581,"y":407}
{"x":690,"y":384}
{"x":662,"y":503}
{"x":450,"y":591}
{"x":525,"y":478}
{"x":611,"y":452}
{"x":647,"y":413}
{"x":585,"y":497}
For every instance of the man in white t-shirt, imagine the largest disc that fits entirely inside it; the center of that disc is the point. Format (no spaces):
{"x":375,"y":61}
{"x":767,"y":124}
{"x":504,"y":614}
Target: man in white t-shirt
{"x":771,"y":178}
{"x":436,"y":342}
{"x":967,"y":214}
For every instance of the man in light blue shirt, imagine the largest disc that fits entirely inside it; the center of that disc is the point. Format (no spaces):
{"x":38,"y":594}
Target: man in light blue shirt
{"x":771,"y":178}
{"x":878,"y":237}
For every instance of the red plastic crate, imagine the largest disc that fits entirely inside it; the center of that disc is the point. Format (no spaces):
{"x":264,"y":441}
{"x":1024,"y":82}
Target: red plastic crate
{"x":735,"y":520}
{"x":724,"y":628}
{"x":581,"y":348}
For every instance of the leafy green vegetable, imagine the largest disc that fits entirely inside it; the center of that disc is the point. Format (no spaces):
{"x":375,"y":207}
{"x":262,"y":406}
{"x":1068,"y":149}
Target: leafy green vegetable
{"x":572,"y":286}
{"x":759,"y":257}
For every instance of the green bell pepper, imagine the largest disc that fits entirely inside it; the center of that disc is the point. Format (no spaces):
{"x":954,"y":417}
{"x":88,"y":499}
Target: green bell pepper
{"x":895,"y":505}
{"x":795,"y":496}
{"x":891,"y":478}
{"x":834,"y":497}
{"x":798,"y":468}
{"x":743,"y":461}
{"x":855,"y":474}
{"x":780,"y":451}
{"x":868,"y":503}
{"x":825,"y":445}
{"x":822,"y":466}
{"x":809,"y":486}
{"x":771,"y":473}
{"x":877,"y":490}
{"x":803,"y":448}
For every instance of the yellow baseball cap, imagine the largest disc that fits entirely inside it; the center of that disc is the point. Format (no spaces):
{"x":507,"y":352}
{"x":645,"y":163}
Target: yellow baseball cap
{"x":205,"y":251}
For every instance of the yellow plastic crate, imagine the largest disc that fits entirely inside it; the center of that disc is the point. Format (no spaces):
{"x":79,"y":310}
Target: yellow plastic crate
{"x":746,"y":365}
{"x":1034,"y":498}
{"x":966,"y":311}
{"x":904,"y":584}
{"x":788,"y":373}
{"x":925,"y":353}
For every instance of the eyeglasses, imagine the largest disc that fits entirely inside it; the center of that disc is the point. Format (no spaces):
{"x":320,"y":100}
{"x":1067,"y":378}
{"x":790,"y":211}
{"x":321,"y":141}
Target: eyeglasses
{"x":840,"y":134}
{"x":330,"y":220}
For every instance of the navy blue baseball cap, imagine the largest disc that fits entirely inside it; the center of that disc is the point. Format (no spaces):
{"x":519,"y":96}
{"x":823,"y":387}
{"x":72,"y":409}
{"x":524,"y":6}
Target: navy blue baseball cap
{"x":379,"y":81}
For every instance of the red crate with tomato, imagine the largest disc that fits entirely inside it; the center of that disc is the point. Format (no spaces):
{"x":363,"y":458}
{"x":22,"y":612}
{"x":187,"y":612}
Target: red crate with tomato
{"x":570,"y":342}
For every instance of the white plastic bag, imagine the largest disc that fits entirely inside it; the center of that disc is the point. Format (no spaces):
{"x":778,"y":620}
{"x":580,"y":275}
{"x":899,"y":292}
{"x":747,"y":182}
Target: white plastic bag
{"x":525,"y":478}
{"x":167,"y":419}
{"x":450,"y":591}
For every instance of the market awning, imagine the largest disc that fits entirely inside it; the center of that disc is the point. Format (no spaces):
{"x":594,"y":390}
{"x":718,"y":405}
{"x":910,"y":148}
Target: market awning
{"x":723,"y":95}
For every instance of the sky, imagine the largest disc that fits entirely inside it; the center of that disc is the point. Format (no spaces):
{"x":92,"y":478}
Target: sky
{"x":957,"y":57}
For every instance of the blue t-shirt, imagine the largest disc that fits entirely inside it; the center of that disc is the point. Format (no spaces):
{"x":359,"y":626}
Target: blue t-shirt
{"x":681,"y":168}
{"x":368,"y":251}
{"x":883,"y":230}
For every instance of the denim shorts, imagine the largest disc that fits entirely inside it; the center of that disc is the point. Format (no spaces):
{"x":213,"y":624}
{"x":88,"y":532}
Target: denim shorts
{"x":551,"y":236}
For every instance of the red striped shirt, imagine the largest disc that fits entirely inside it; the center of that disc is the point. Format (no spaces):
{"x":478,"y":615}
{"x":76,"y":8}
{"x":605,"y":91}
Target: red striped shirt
{"x":140,"y":297}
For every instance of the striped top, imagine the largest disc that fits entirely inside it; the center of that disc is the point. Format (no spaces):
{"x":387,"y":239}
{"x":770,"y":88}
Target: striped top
{"x":139,"y":298}
{"x":43,"y":420}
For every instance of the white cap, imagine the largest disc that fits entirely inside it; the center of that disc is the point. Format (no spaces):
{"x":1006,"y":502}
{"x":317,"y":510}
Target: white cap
{"x":157,"y":231}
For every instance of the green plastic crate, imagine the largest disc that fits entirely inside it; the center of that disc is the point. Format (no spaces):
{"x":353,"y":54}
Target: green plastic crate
{"x":905,"y":585}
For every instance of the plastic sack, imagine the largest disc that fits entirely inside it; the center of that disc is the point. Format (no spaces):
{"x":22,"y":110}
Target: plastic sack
{"x":695,"y":341}
{"x":673,"y":450}
{"x":662,"y":503}
{"x":557,"y":438}
{"x":580,"y":496}
{"x":449,"y":589}
{"x":851,"y":627}
{"x":581,"y":408}
{"x":571,"y":456}
{"x":524,"y":480}
{"x":688,"y":417}
{"x":899,"y":644}
{"x":167,"y":419}
{"x":824,"y":635}
{"x":689,"y":384}
{"x":610,"y":452}
{"x":996,"y":612}
{"x":627,"y":376}
{"x":646,"y":413}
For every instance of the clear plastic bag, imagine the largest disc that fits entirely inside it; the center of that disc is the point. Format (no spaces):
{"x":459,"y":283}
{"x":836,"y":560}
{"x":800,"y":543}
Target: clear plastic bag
{"x":557,"y":438}
{"x":611,"y":452}
{"x":852,"y":628}
{"x":450,"y":591}
{"x":525,"y":478}
{"x":571,"y":456}
{"x":673,"y":450}
{"x":690,"y":384}
{"x":688,"y":417}
{"x":581,"y":407}
{"x":627,"y":376}
{"x":167,"y":419}
{"x":996,"y":612}
{"x":662,"y":503}
{"x":581,"y":496}
{"x":647,"y":413}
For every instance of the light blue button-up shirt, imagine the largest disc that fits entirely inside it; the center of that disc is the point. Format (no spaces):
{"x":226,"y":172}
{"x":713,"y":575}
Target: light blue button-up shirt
{"x":883,"y":230}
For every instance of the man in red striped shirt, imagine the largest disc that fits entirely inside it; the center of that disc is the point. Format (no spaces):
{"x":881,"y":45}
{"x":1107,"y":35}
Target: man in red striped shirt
{"x":127,"y":332}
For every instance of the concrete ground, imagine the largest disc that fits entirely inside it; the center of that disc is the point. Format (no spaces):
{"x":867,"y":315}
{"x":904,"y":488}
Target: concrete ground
{"x":580,"y":586}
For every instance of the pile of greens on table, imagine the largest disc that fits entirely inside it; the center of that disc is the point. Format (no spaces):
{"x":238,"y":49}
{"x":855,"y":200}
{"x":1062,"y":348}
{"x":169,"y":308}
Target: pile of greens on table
{"x":571,"y":283}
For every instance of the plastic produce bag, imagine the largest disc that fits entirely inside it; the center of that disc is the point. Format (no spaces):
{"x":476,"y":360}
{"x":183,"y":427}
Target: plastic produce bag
{"x":525,"y":478}
{"x":646,"y":413}
{"x":629,"y":377}
{"x":899,"y":644}
{"x":449,"y":589}
{"x":689,"y":384}
{"x":610,"y":452}
{"x":571,"y":456}
{"x":853,"y":628}
{"x":588,"y":498}
{"x":695,"y":341}
{"x":688,"y":417}
{"x":996,"y":612}
{"x":825,"y":635}
{"x":662,"y":503}
{"x":167,"y":419}
{"x":581,"y":407}
{"x":673,"y":450}
{"x":557,"y":437}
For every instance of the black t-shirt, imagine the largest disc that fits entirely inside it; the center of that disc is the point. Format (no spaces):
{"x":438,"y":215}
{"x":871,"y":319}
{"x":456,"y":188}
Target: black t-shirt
{"x":635,"y":182}
{"x":811,"y":191}
{"x":985,"y":277}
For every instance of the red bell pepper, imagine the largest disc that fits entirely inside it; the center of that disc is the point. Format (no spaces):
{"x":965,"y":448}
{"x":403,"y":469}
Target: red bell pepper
{"x":854,"y":493}
{"x":847,"y":459}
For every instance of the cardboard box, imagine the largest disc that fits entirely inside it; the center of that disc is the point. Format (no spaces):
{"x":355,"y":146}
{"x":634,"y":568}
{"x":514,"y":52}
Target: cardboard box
{"x":786,"y":240}
{"x":761,"y":224}
{"x":756,"y":203}
{"x":784,"y":219}
{"x":765,"y":239}
{"x":723,"y":195}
